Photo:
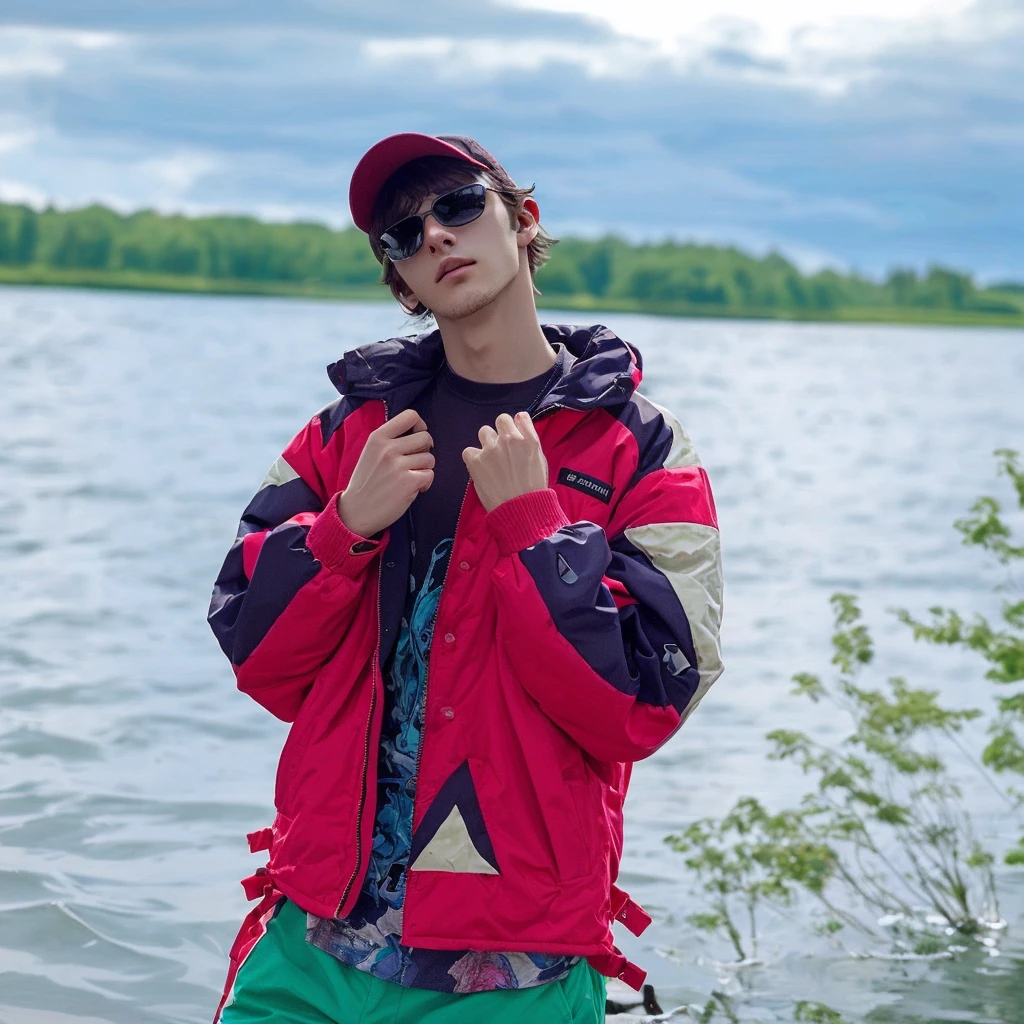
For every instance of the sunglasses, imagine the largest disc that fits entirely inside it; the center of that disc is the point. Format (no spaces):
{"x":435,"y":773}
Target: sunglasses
{"x":453,"y":209}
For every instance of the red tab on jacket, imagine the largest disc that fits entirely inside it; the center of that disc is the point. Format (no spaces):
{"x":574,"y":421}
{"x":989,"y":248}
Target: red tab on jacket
{"x":615,"y":965}
{"x":260,"y":841}
{"x":258,"y":884}
{"x":630,"y":913}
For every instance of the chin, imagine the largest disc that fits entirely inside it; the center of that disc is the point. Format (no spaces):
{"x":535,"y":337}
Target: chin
{"x":469,"y":300}
{"x":458,"y":308}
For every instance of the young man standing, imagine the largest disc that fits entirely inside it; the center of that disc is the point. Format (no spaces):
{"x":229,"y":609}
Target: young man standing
{"x":480,"y":585}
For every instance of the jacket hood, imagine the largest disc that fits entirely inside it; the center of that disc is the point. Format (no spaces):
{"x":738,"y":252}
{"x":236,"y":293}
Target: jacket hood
{"x":599,"y":368}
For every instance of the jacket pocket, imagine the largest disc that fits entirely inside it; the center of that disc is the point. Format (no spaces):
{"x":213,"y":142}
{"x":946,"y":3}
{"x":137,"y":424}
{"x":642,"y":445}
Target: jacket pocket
{"x":575,"y":832}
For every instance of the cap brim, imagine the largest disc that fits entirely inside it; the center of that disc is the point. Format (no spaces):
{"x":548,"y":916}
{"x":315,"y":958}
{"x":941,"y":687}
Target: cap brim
{"x":379,"y":162}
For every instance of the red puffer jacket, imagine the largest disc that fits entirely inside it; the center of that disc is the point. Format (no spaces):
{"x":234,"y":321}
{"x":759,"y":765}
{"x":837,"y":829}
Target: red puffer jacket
{"x":576,"y":630}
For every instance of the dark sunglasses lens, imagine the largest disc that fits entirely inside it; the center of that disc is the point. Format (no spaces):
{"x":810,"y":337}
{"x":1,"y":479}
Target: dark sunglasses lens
{"x":403,"y":239}
{"x":461,"y":206}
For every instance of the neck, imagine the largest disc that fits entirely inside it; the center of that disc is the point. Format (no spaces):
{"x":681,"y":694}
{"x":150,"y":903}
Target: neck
{"x":502,"y":342}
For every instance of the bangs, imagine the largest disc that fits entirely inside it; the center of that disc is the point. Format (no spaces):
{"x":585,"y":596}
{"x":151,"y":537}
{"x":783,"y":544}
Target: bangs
{"x":403,"y":193}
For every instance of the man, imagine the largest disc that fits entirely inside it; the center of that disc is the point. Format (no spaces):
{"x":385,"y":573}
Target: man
{"x":480,"y":585}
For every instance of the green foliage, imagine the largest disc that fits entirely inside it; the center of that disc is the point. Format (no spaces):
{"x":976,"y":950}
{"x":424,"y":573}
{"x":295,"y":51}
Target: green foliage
{"x":881,"y":837}
{"x":19,"y":233}
{"x":718,"y":1005}
{"x":606,"y":272}
{"x":217,"y":248}
{"x":669,"y":275}
{"x":984,"y":528}
{"x":882,"y":841}
{"x":747,"y":857}
{"x":1001,"y":646}
{"x":884,"y":802}
{"x":815,"y":1013}
{"x":721,"y":1006}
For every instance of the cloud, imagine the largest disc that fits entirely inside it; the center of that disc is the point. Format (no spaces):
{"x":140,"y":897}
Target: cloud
{"x":180,"y":171}
{"x":28,"y":52}
{"x":16,"y":139}
{"x":21,"y":192}
{"x":454,"y":60}
{"x":875,"y":134}
{"x":785,"y":29}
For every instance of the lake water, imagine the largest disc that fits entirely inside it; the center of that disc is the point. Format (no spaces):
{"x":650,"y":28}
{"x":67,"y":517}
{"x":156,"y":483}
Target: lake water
{"x":134,"y":429}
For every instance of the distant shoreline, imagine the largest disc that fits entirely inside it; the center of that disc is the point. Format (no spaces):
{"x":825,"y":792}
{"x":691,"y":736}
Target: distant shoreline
{"x":96,"y":247}
{"x":127,"y":281}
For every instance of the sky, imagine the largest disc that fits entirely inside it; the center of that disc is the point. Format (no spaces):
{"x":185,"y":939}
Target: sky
{"x":858,"y":134}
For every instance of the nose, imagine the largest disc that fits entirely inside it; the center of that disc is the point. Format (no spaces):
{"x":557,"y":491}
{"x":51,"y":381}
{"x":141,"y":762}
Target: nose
{"x":435,"y":235}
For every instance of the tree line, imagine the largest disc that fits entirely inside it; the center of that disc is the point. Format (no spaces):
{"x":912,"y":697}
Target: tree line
{"x":604,"y":271}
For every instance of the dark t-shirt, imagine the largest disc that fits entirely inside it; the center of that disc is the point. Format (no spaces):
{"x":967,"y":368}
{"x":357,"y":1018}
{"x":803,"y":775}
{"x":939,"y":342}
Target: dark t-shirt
{"x":453,"y":409}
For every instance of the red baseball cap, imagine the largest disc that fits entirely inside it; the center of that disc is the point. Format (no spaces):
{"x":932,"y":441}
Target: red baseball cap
{"x":380,"y":161}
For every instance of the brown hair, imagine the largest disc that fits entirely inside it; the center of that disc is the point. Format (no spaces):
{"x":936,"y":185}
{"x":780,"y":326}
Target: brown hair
{"x":403,"y":193}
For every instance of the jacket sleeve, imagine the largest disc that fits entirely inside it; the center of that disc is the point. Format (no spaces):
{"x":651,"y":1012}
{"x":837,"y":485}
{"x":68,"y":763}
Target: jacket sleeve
{"x":615,"y":633}
{"x":292,"y":577}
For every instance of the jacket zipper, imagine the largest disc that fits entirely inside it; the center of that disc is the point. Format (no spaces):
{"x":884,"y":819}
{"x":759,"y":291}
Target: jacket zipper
{"x":366,"y":739}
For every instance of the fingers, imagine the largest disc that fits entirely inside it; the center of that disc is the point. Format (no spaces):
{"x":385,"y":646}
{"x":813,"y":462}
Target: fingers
{"x":407,"y":419}
{"x":421,"y":441}
{"x":525,"y":423}
{"x":507,"y":426}
{"x":419,"y":460}
{"x":422,"y":478}
{"x":519,"y":429}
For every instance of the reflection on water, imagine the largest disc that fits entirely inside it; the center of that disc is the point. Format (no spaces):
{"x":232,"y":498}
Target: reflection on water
{"x":135,"y":429}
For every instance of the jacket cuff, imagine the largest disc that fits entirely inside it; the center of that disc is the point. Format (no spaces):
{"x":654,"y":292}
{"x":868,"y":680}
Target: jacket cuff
{"x":523,"y":521}
{"x":336,"y":547}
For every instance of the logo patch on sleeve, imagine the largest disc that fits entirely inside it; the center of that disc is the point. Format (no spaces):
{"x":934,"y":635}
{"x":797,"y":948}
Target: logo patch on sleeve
{"x":587,"y":484}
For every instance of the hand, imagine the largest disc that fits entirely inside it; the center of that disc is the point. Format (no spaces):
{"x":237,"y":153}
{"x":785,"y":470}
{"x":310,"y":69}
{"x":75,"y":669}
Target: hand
{"x":509,"y":461}
{"x":392,"y":469}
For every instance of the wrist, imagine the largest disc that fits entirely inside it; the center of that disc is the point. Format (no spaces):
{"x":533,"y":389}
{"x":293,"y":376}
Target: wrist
{"x":338,"y":547}
{"x":352,"y":522}
{"x":524,"y":520}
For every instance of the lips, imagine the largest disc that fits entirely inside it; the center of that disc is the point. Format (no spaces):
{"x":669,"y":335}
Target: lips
{"x":450,"y":263}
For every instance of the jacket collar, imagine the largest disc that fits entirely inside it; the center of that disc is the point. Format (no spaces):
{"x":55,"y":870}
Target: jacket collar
{"x":599,"y":369}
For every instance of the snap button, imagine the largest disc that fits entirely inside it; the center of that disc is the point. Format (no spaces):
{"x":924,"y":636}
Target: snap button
{"x":449,"y":638}
{"x":463,"y":566}
{"x":448,"y":713}
{"x":391,"y":565}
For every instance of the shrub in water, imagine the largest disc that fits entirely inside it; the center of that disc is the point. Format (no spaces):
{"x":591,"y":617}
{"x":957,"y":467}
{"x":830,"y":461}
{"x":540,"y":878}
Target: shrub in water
{"x":883,"y":841}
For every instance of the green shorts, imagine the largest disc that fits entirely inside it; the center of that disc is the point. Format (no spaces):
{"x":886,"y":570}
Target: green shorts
{"x":283,"y":978}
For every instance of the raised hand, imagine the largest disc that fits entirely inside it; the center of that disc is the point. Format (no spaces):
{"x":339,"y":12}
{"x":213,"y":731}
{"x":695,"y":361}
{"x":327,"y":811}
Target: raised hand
{"x":392,"y":469}
{"x":509,"y":461}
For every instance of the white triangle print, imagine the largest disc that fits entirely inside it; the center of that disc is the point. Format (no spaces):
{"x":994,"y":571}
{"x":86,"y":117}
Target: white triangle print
{"x":452,"y":850}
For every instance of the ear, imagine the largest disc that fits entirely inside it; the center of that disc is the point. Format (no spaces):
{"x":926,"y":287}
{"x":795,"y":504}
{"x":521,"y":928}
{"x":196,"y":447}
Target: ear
{"x":409,"y":303}
{"x":406,"y":297}
{"x":528,"y":220}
